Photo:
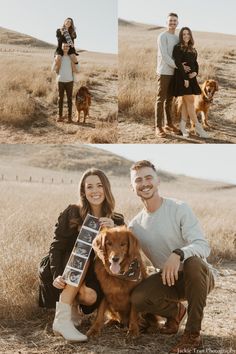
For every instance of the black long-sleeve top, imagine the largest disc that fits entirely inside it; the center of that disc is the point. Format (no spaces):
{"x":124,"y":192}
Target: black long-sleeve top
{"x":180,"y":56}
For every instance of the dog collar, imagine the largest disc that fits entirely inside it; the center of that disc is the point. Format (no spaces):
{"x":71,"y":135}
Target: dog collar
{"x":133,"y":273}
{"x":79,"y":98}
{"x":207,"y":99}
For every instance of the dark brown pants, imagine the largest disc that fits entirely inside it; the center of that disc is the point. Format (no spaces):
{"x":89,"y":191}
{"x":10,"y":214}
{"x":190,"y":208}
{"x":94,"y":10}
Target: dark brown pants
{"x":68,"y":87}
{"x":194,"y":284}
{"x":163,"y":100}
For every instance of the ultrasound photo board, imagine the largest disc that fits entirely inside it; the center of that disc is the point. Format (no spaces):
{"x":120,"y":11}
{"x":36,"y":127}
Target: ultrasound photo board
{"x":76,"y":265}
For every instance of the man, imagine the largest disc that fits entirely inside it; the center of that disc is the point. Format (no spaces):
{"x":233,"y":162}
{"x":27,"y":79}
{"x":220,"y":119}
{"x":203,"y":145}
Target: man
{"x":65,"y":68}
{"x":165,"y":71}
{"x":171,"y":237}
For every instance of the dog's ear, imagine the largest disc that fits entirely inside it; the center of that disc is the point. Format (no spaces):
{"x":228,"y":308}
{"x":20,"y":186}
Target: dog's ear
{"x":99,"y":244}
{"x":133,"y":245}
{"x":216,"y":86}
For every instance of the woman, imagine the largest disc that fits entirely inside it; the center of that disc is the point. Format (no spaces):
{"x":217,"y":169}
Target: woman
{"x":96,"y":199}
{"x":185,"y":84}
{"x":66,"y":34}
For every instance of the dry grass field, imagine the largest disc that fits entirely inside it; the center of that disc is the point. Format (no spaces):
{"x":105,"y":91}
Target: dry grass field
{"x":137,"y":84}
{"x":28,"y":212}
{"x":28,"y":94}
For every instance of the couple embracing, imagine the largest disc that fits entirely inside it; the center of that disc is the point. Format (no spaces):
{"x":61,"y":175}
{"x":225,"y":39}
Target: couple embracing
{"x":177,"y":70}
{"x":169,"y":235}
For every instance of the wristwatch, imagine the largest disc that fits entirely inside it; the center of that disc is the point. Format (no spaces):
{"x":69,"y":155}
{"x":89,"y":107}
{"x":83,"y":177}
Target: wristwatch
{"x":180,"y":253}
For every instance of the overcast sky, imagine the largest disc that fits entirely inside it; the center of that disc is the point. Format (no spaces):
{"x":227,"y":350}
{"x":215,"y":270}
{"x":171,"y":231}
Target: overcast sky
{"x":202,"y":15}
{"x":95,"y":20}
{"x":214,"y":162}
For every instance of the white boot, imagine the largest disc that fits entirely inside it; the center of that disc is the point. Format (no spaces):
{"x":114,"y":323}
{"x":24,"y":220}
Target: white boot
{"x":62,"y":324}
{"x":200,"y":131}
{"x":182,"y":127}
{"x":76,"y":315}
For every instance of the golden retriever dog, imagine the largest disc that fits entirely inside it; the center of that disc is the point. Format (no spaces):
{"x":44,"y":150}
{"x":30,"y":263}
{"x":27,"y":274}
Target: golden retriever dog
{"x":119,"y":268}
{"x":83,"y":102}
{"x":202,"y":102}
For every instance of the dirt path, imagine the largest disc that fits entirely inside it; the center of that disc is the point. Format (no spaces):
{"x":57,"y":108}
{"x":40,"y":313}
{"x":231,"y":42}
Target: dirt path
{"x":222,"y":115}
{"x":218,"y":330}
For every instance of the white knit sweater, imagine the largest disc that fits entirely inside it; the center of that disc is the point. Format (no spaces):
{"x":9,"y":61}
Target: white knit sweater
{"x":165,"y":44}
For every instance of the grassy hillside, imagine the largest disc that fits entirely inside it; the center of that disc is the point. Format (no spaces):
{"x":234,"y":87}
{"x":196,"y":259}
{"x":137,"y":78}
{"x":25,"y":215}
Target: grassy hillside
{"x":66,"y":158}
{"x":8,"y":36}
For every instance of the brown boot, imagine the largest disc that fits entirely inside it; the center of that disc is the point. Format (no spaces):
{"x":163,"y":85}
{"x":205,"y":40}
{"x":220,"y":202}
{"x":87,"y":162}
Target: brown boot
{"x":172,"y":128}
{"x":149,"y":323}
{"x":160,"y":133}
{"x":172,"y":325}
{"x":60,"y":119}
{"x":188,"y":343}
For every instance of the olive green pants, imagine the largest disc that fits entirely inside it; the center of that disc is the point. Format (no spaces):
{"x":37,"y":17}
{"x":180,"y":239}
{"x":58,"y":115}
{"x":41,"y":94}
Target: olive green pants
{"x":194,"y":284}
{"x":163,"y":100}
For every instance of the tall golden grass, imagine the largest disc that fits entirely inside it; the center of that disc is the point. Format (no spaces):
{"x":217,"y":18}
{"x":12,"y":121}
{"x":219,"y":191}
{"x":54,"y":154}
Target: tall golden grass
{"x":28,"y":213}
{"x":138,"y":61}
{"x":25,"y":80}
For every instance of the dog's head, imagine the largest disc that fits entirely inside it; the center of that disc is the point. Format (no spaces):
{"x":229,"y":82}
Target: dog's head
{"x":83,"y":91}
{"x":116,"y":246}
{"x":83,"y":95}
{"x":209,"y":88}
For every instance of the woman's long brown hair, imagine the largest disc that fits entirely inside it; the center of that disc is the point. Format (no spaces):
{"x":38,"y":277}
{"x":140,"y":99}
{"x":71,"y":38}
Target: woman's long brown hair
{"x":108,"y":204}
{"x":190,"y":46}
{"x":71,"y":29}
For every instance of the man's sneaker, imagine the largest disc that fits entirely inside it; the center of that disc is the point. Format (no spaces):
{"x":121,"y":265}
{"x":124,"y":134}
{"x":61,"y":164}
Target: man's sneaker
{"x":189,"y":343}
{"x":160,"y":133}
{"x":172,"y":128}
{"x":173,"y":324}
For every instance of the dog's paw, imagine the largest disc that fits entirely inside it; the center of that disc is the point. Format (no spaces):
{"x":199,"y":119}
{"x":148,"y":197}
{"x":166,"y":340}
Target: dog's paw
{"x":93,"y":331}
{"x":133,"y":332}
{"x":206,"y":126}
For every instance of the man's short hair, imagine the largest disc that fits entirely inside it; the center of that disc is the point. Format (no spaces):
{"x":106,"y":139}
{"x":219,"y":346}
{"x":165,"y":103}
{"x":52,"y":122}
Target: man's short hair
{"x":172,"y":14}
{"x":142,"y":163}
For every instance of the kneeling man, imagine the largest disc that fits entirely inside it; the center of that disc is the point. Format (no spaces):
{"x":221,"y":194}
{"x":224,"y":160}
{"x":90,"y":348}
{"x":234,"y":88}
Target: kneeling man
{"x":171,"y":237}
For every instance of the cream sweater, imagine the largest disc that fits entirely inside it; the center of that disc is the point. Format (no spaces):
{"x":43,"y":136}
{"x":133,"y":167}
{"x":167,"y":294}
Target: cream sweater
{"x":165,"y":44}
{"x":172,"y":226}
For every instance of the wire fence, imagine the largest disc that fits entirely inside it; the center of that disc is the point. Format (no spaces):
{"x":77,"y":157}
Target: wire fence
{"x":42,"y":180}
